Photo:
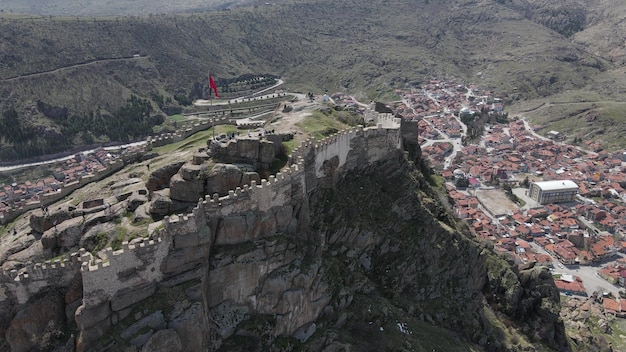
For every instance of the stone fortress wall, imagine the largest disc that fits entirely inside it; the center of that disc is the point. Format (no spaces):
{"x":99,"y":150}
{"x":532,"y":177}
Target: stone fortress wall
{"x":179,"y":251}
{"x":188,"y":130}
{"x":37,"y":277}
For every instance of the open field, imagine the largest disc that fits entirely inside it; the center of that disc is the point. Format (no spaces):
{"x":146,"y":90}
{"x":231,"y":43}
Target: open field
{"x":496,"y":202}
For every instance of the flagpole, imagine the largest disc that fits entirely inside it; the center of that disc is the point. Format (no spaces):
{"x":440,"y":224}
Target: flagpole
{"x":212,"y":86}
{"x":211,"y":104}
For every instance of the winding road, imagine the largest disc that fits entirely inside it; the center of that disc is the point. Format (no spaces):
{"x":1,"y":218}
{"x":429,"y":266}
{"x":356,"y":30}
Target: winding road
{"x":19,"y":166}
{"x":535,"y":134}
{"x":253,"y":96}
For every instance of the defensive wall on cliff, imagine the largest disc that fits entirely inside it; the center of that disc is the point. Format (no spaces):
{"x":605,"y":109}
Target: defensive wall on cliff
{"x":188,"y":130}
{"x":178,"y":252}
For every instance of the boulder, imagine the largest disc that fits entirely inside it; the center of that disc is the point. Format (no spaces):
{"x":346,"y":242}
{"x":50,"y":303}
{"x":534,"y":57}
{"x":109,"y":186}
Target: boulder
{"x":161,"y":203}
{"x":223,"y":178}
{"x":38,"y":325}
{"x":135,"y":200}
{"x":164,"y":341}
{"x":160,"y":178}
{"x":141,"y":339}
{"x":41,"y":221}
{"x":186,"y":191}
{"x":64,"y":235}
{"x":200,"y":157}
{"x":142,"y":213}
{"x":93,"y":237}
{"x":191,"y":172}
{"x":244,"y":148}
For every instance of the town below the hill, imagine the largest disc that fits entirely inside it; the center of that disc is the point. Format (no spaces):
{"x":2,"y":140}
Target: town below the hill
{"x":489,"y":177}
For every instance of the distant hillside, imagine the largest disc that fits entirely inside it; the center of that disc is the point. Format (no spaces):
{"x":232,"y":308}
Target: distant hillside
{"x":368,"y":48}
{"x":113,"y":8}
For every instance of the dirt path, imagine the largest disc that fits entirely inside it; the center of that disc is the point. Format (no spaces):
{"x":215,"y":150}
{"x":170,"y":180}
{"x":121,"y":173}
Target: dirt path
{"x":94,"y":62}
{"x":285,"y":122}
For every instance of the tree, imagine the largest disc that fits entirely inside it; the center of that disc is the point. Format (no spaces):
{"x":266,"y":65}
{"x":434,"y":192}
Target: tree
{"x":526,"y":182}
{"x":461,"y":182}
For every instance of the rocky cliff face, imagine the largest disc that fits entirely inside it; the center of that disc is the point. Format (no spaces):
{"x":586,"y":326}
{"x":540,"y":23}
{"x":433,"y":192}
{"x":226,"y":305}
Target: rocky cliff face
{"x":349,"y":249}
{"x":383,"y":261}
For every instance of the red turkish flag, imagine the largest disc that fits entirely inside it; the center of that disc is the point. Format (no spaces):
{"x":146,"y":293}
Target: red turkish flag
{"x":213,"y":86}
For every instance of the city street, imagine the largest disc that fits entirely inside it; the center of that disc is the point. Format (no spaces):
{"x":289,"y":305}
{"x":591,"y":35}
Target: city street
{"x":587,"y":273}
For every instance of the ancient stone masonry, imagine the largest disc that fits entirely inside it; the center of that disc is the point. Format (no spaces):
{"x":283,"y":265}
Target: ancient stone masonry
{"x":186,"y":131}
{"x":114,"y":166}
{"x":36,"y":277}
{"x":137,"y":263}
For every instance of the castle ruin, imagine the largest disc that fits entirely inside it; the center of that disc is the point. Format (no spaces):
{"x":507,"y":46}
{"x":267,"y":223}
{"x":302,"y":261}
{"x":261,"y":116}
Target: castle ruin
{"x":181,"y":250}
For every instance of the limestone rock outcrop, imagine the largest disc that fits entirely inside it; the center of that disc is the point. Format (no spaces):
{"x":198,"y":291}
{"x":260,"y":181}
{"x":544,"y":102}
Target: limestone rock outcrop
{"x":192,"y":327}
{"x":349,"y":239}
{"x":193,"y":182}
{"x":186,"y":190}
{"x":163,"y":204}
{"x":253,"y":150}
{"x":41,"y":221}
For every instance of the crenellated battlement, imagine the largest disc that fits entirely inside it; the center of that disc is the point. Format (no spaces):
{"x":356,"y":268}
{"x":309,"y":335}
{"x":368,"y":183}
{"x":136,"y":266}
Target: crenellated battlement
{"x":138,"y":262}
{"x":183,"y":223}
{"x":303,"y":150}
{"x":187,"y":130}
{"x":89,"y":263}
{"x":388,"y":120}
{"x":35,"y":277}
{"x":48,"y":270}
{"x":261,"y":196}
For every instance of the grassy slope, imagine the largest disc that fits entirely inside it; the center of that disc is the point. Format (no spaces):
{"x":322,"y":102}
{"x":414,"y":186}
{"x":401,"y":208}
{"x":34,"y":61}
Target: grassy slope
{"x":369,"y":48}
{"x":324,"y":45}
{"x":109,"y":8}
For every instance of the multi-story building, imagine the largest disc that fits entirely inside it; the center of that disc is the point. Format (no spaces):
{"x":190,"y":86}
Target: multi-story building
{"x":546,"y":192}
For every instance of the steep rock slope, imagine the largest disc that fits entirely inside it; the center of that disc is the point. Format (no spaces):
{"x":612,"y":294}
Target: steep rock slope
{"x":399,"y":274}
